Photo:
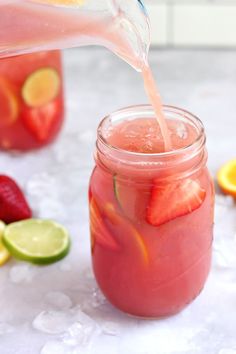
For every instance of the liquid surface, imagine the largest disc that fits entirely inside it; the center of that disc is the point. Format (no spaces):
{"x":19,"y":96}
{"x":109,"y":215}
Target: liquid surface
{"x":145,"y":135}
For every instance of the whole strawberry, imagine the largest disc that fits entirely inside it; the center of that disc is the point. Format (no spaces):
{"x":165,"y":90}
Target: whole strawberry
{"x":13,"y":205}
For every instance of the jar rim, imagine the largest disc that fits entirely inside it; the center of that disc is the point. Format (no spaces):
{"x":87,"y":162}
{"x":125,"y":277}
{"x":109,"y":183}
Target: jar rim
{"x":197,"y":143}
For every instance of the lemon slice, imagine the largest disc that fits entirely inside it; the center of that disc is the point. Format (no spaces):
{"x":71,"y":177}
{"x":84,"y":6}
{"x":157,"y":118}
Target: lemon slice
{"x":41,"y":87}
{"x":9,"y":107}
{"x":226,"y":177}
{"x":4,"y":254}
{"x":37,"y":241}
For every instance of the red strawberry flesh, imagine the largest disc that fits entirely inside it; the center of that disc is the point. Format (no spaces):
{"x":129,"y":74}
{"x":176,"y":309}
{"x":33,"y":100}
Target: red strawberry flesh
{"x":13,"y":205}
{"x":170,"y":201}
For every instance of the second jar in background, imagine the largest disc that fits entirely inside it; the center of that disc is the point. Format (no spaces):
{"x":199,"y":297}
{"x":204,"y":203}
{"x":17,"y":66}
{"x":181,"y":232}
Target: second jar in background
{"x":31,"y":100}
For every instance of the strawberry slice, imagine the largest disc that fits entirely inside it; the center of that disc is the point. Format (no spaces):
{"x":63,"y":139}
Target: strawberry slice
{"x":13,"y":205}
{"x":170,"y":201}
{"x":40,"y":120}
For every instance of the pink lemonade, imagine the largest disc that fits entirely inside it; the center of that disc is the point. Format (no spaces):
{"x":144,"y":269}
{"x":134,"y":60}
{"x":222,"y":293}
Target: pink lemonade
{"x":151,"y":211}
{"x":31,"y":100}
{"x":58,"y":24}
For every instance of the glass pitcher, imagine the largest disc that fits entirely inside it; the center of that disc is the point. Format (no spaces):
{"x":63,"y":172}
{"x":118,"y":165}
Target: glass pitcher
{"x":33,"y":25}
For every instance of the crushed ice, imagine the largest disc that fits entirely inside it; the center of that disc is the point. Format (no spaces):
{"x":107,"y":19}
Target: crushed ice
{"x":224,"y":245}
{"x":111,"y":328}
{"x":52,"y":322}
{"x":81,"y":331}
{"x":181,"y":131}
{"x":5,"y":328}
{"x":98,"y":298}
{"x":21,"y":273}
{"x":58,"y":300}
{"x":54,"y":347}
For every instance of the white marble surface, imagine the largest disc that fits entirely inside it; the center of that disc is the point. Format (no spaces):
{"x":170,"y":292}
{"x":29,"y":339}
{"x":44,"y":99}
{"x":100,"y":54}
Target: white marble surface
{"x":57,"y":309}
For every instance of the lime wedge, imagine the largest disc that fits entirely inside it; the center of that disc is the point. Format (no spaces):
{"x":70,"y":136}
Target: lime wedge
{"x":4,"y":254}
{"x":37,"y":241}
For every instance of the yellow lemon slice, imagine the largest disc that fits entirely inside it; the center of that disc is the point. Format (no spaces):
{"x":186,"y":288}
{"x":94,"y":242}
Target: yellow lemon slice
{"x":4,"y":254}
{"x":41,"y":87}
{"x":226,"y":177}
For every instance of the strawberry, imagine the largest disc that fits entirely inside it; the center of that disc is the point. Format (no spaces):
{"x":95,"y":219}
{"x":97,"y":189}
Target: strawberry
{"x":13,"y":206}
{"x":40,"y":121}
{"x":170,"y":201}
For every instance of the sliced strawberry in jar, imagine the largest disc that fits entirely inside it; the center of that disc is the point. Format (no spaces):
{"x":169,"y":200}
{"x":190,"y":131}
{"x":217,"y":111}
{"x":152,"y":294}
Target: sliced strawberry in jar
{"x":172,"y":200}
{"x":99,"y":231}
{"x":40,"y":121}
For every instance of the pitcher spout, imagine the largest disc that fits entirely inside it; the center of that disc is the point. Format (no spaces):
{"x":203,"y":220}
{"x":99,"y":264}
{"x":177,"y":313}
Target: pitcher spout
{"x":32,"y":25}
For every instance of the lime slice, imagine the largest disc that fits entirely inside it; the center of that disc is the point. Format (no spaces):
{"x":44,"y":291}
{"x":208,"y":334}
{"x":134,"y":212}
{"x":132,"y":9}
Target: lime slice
{"x":37,"y":241}
{"x":4,"y":254}
{"x":41,"y":87}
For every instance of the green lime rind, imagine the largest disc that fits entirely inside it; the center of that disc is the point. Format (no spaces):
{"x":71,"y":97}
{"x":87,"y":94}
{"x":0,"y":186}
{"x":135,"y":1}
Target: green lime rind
{"x":37,"y":241}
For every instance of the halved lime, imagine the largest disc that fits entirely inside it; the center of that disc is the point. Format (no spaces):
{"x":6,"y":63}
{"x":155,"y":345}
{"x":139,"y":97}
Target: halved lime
{"x":37,"y":241}
{"x":4,"y":254}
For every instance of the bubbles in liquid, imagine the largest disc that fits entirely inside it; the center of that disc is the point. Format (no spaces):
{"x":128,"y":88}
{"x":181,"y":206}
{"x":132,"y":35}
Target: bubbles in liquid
{"x":144,"y":135}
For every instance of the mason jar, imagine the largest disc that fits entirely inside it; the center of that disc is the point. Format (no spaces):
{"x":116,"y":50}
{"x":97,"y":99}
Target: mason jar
{"x":151,"y":214}
{"x":31,"y":100}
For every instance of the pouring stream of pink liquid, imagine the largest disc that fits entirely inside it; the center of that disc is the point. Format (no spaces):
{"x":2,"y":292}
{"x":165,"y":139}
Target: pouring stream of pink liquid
{"x":156,"y":101}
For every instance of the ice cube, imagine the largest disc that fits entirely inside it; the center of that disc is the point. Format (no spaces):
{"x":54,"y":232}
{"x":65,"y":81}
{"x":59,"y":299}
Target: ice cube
{"x":58,"y":300}
{"x":224,"y":253}
{"x":50,"y":208}
{"x":5,"y":328}
{"x":224,"y":200}
{"x":21,"y":273}
{"x":111,"y":328}
{"x":54,"y":347}
{"x":41,"y":184}
{"x":181,"y":131}
{"x":51,"y":322}
{"x":98,"y":298}
{"x":81,"y":331}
